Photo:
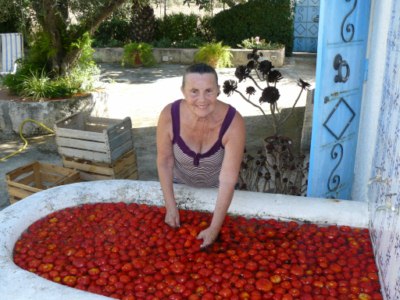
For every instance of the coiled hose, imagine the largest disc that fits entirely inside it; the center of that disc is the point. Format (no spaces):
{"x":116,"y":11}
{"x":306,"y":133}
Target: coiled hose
{"x":21,"y":127}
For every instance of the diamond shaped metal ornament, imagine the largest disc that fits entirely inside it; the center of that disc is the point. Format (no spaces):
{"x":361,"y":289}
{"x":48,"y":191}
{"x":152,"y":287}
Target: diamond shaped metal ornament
{"x":339,"y":119}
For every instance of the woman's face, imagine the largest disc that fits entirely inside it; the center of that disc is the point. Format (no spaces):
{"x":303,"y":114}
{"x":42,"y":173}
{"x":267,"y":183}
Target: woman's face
{"x":200,"y":92}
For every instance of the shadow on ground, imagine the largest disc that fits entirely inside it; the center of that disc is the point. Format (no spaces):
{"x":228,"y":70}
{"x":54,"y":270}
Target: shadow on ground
{"x":114,"y":73}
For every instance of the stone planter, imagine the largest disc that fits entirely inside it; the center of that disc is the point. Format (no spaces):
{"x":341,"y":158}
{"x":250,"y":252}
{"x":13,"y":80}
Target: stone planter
{"x":14,"y":112}
{"x":185,"y":56}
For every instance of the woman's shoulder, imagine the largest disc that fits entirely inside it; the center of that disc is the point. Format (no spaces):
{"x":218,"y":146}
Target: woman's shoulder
{"x":165,"y":115}
{"x":227,"y":108}
{"x":237,"y":122}
{"x":167,"y":108}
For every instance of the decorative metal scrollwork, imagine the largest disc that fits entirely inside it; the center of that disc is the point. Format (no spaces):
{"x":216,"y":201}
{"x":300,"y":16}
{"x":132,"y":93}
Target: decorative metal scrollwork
{"x":339,"y":64}
{"x":334,"y":179}
{"x":349,"y":27}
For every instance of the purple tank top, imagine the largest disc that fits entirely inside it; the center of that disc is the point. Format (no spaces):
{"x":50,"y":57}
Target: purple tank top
{"x":198,"y":169}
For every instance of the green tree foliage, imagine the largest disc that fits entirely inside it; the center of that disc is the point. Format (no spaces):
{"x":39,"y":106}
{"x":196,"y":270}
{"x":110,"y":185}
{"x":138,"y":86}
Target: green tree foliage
{"x":176,"y":27}
{"x":271,"y":20}
{"x":143,"y":22}
{"x":15,"y":17}
{"x":64,"y":23}
{"x":116,"y":30}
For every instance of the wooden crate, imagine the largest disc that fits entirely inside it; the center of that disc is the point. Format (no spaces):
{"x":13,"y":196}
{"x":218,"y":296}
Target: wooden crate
{"x":35,"y":177}
{"x":124,"y":168}
{"x":94,"y":139}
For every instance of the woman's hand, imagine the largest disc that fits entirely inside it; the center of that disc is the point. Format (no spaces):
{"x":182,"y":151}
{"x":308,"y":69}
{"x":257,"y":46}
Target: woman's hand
{"x":208,"y":235}
{"x":172,"y":216}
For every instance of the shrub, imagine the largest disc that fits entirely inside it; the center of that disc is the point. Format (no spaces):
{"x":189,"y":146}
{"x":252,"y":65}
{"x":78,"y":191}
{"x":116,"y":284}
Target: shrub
{"x":176,"y":27}
{"x":270,"y":19}
{"x":37,"y":86}
{"x":214,"y":54}
{"x":136,"y":54}
{"x":112,"y":33}
{"x":205,"y":31}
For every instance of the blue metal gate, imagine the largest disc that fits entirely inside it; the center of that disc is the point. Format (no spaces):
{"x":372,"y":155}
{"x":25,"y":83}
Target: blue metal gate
{"x":306,"y":26}
{"x":340,"y":73}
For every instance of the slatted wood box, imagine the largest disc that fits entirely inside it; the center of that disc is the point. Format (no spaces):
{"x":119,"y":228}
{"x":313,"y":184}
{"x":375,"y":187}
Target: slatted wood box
{"x":35,"y":177}
{"x":123,"y":168}
{"x":93,"y":139}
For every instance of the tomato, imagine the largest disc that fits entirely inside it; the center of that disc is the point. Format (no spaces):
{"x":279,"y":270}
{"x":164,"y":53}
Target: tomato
{"x":275,"y":278}
{"x":126,"y":251}
{"x":69,"y":280}
{"x":45,"y":267}
{"x":264,"y":285}
{"x":251,"y":266}
{"x":177,"y":267}
{"x":225,"y":293}
{"x":94,"y":271}
{"x":297,"y":270}
{"x":124,"y":278}
{"x":364,"y":296}
{"x":126,"y":267}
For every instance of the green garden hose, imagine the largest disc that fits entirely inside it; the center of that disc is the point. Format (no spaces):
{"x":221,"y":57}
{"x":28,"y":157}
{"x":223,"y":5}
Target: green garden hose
{"x":23,"y":138}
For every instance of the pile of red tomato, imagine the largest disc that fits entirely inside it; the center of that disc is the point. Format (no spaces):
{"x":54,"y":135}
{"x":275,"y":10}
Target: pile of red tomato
{"x":126,"y":251}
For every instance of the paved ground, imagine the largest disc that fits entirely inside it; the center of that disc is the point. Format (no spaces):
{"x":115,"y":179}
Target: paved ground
{"x":141,"y":94}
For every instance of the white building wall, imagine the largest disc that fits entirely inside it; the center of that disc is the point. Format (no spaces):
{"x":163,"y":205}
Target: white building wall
{"x":377,"y":170}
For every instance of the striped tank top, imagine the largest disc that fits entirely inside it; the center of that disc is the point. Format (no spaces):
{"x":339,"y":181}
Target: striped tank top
{"x":198,"y":169}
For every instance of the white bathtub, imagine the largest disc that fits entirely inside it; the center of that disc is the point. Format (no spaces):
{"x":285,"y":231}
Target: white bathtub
{"x":18,"y":284}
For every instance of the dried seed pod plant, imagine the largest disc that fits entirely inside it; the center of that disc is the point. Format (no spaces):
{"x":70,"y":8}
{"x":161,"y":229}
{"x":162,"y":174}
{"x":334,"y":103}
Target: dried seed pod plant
{"x":276,"y":169}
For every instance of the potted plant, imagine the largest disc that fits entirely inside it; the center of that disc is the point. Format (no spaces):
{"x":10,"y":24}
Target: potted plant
{"x":214,"y":54}
{"x":138,"y":54}
{"x":274,"y":52}
{"x":260,"y":44}
{"x":276,"y":169}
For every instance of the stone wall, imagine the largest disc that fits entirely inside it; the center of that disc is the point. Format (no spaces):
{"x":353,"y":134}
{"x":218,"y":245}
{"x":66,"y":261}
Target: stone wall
{"x":186,"y":56}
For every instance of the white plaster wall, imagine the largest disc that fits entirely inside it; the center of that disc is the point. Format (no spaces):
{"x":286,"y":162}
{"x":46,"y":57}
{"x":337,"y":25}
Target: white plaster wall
{"x":377,"y":169}
{"x":18,"y":284}
{"x":376,"y":53}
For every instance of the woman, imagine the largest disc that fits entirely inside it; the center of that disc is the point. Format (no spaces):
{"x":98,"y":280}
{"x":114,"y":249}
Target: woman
{"x":200,"y":142}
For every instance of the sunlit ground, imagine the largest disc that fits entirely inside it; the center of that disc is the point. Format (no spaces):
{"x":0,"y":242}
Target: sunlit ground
{"x":141,"y":93}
